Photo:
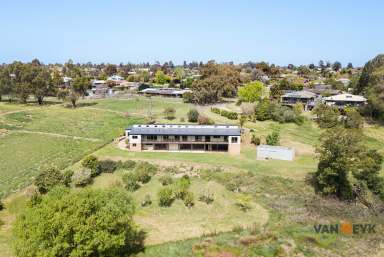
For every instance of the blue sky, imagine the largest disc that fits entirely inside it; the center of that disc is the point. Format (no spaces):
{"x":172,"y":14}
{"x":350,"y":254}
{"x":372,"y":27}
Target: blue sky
{"x":277,"y":31}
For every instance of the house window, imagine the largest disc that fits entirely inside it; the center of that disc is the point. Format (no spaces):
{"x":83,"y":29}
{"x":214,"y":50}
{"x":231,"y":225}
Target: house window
{"x":177,"y":138}
{"x":165,"y":137}
{"x":134,"y":137}
{"x":134,"y":145}
{"x":216,"y":136}
{"x":234,"y":140}
{"x":185,"y":138}
{"x":152,"y":137}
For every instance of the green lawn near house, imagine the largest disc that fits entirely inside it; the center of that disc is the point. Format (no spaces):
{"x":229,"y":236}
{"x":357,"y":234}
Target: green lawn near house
{"x":179,"y":222}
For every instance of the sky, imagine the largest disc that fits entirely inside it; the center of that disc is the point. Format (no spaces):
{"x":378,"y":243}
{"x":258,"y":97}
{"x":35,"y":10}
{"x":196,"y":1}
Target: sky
{"x":115,"y":31}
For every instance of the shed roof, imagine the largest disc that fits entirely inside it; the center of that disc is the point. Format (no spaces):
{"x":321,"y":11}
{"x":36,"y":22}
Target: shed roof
{"x":182,"y":129}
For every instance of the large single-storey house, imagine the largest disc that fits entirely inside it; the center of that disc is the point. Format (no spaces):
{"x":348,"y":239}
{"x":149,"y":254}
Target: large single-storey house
{"x":305,"y":97}
{"x":172,"y":92}
{"x":181,"y":137}
{"x":344,"y":100}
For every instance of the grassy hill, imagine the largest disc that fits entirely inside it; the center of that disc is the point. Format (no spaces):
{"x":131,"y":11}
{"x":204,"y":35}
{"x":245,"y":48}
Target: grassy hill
{"x":284,"y":206}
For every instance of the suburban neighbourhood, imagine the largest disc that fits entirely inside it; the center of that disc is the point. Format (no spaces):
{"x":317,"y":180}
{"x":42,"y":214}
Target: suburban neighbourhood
{"x":191,"y":129}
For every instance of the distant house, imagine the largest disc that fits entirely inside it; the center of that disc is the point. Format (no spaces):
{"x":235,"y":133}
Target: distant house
{"x":67,"y":81}
{"x":181,"y":137}
{"x":170,"y":92}
{"x":305,"y":97}
{"x":344,"y":100}
{"x":100,"y":87}
{"x":115,"y":78}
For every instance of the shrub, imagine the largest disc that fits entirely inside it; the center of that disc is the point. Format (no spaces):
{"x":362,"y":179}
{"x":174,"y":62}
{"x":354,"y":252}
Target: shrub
{"x":298,"y":108}
{"x":48,"y":179}
{"x":144,"y":171}
{"x":204,"y":120}
{"x":166,"y":180}
{"x":229,"y":115}
{"x":147,"y":201}
{"x":131,"y":182}
{"x":189,"y":200}
{"x":92,"y":163}
{"x":327,"y":116}
{"x":193,"y":115}
{"x":255,"y":139}
{"x":99,"y":221}
{"x":206,"y":197}
{"x":182,"y":119}
{"x":67,"y":177}
{"x":107,"y":166}
{"x":1,"y":205}
{"x":170,"y":113}
{"x":128,"y":165}
{"x":215,"y":110}
{"x":181,"y":188}
{"x":263,"y":110}
{"x":166,"y":197}
{"x":82,"y":177}
{"x":188,"y":97}
{"x":273,"y":138}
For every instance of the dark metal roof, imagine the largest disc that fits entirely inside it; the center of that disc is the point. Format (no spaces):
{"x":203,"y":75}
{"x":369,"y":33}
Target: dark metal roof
{"x":191,"y":130}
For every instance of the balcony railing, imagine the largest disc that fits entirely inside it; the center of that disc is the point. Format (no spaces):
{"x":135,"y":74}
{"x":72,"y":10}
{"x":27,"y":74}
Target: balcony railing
{"x":148,"y":141}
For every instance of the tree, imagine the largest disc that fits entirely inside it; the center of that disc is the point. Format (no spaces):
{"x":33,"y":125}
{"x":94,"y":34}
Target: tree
{"x":216,"y":81}
{"x":242,"y":120}
{"x":78,"y":88}
{"x":273,"y":138}
{"x":161,"y":77}
{"x":193,"y":115}
{"x":170,"y":113}
{"x":336,"y":66}
{"x":48,"y":179}
{"x":345,"y":164}
{"x":84,"y":222}
{"x":252,"y":92}
{"x":350,"y":65}
{"x":110,"y":69}
{"x":41,"y":84}
{"x":262,"y":111}
{"x":5,"y":81}
{"x":327,"y":116}
{"x":352,"y":119}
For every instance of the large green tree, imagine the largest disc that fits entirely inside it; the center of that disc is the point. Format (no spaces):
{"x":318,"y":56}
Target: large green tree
{"x":78,"y":223}
{"x":371,"y":84}
{"x":252,"y":92}
{"x":216,"y":81}
{"x":345,"y":164}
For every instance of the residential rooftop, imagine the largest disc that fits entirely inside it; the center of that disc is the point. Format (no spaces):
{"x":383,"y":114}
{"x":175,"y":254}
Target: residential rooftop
{"x":183,"y":129}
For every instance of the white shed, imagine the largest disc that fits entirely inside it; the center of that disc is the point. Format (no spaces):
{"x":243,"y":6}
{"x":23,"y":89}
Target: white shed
{"x":275,"y":152}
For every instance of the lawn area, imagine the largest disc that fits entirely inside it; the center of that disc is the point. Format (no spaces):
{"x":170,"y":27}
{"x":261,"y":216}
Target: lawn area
{"x":179,"y":222}
{"x":143,"y":106}
{"x":32,"y":140}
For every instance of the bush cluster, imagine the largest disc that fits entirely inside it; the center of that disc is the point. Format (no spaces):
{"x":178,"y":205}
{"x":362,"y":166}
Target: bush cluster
{"x":142,"y":173}
{"x":193,"y":115}
{"x":265,"y":110}
{"x":82,"y":177}
{"x":228,"y":114}
{"x":50,"y":178}
{"x":204,"y":120}
{"x":166,"y":180}
{"x":178,"y":190}
{"x":273,"y":138}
